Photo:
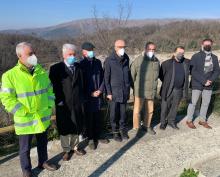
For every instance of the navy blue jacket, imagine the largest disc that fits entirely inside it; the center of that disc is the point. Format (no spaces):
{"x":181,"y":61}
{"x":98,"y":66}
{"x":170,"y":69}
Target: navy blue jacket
{"x":93,"y":80}
{"x":199,"y":77}
{"x":117,"y":77}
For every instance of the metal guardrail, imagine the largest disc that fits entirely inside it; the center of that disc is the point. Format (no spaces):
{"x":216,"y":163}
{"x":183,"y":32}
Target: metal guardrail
{"x":11,"y":127}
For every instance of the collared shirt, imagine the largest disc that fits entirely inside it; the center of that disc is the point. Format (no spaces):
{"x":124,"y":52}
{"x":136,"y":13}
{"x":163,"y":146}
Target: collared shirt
{"x":70,"y":67}
{"x":32,"y":70}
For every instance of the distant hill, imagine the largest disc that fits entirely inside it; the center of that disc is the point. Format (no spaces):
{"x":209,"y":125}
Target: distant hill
{"x":87,"y":26}
{"x":166,"y":35}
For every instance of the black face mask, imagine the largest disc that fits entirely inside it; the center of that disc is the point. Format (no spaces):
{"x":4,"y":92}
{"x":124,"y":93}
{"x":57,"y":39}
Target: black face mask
{"x":207,"y":48}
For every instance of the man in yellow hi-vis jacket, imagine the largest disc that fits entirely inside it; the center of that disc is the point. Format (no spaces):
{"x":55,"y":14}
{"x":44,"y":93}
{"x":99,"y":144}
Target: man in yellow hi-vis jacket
{"x":27,"y":93}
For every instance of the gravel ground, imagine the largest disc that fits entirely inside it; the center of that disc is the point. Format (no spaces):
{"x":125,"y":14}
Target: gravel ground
{"x":210,"y":166}
{"x":163,"y":155}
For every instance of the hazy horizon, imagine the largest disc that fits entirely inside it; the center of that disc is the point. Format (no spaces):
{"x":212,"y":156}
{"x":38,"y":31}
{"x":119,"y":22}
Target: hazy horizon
{"x":75,"y":20}
{"x":23,"y":14}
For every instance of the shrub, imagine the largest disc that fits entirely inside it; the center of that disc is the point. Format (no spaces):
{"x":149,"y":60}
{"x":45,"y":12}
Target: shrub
{"x":189,"y":173}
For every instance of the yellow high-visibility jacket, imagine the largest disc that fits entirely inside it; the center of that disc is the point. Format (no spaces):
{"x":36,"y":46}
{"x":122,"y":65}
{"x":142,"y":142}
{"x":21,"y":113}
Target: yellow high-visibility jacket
{"x":29,"y":97}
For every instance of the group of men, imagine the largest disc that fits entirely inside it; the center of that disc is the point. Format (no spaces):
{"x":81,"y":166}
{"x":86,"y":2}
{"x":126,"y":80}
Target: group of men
{"x":76,"y":86}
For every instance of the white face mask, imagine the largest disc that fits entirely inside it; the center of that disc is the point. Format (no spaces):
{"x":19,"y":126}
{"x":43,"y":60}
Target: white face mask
{"x":150,"y":54}
{"x":121,"y":52}
{"x":32,"y":60}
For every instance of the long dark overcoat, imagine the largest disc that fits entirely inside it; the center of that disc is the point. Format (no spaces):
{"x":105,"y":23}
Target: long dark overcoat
{"x":69,"y":89}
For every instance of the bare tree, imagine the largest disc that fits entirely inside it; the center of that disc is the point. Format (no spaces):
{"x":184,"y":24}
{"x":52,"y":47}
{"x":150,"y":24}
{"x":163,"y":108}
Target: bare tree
{"x":106,"y":24}
{"x":124,"y":13}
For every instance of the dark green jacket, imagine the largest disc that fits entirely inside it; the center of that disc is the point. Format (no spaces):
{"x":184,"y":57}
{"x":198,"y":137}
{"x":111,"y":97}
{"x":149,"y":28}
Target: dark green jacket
{"x":145,"y":73}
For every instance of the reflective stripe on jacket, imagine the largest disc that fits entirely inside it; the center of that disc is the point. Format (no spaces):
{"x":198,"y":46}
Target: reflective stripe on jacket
{"x":29,"y":97}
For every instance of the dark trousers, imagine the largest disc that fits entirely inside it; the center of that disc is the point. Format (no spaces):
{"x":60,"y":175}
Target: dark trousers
{"x":118,"y":116}
{"x":25,"y":147}
{"x":169,"y":107}
{"x":93,"y":125}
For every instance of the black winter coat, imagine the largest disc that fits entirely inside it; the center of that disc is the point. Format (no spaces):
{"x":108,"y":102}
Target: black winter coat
{"x":117,"y":77}
{"x":167,"y":76}
{"x":69,"y":89}
{"x":93,"y":80}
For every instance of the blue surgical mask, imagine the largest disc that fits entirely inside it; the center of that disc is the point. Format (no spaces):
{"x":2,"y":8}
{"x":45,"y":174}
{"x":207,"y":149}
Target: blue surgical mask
{"x":71,"y":60}
{"x":90,"y":54}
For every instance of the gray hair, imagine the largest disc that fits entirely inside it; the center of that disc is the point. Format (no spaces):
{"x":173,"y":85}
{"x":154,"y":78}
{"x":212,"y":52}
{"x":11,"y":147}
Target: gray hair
{"x":20,"y":47}
{"x":69,"y":47}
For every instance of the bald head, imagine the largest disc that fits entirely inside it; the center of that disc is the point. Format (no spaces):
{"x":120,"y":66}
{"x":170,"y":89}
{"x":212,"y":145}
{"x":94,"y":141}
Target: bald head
{"x":119,"y":47}
{"x":119,"y":43}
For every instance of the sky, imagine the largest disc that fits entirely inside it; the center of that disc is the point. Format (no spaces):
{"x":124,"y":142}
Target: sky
{"x":18,"y":14}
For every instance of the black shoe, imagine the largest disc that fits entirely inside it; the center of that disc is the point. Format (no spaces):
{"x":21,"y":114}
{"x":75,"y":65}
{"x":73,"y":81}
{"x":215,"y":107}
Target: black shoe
{"x":117,"y":137}
{"x":162,"y":126}
{"x":92,"y":144}
{"x":124,"y":135}
{"x":174,"y":126}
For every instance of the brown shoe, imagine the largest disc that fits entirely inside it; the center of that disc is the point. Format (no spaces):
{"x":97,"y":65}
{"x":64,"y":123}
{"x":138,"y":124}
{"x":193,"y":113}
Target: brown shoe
{"x":67,"y":156}
{"x":190,"y":124}
{"x":205,"y":124}
{"x":47,"y":166}
{"x":80,"y":152}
